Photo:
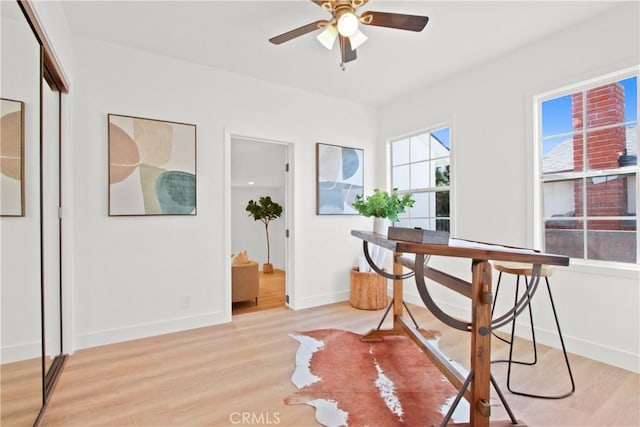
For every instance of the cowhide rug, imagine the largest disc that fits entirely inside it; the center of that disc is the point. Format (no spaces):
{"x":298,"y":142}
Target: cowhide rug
{"x":355,"y":383}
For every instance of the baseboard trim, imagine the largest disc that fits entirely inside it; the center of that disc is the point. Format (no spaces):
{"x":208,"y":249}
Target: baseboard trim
{"x":317,"y":300}
{"x":591,"y":350}
{"x":145,"y":330}
{"x":18,"y":352}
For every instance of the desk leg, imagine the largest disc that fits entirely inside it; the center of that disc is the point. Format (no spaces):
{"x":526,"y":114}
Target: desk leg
{"x":398,"y":307}
{"x":481,"y":343}
{"x":398,"y":303}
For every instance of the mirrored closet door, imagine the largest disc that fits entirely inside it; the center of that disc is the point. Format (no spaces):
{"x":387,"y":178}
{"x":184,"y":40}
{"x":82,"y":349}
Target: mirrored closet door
{"x":31,"y":355}
{"x":20,"y":271}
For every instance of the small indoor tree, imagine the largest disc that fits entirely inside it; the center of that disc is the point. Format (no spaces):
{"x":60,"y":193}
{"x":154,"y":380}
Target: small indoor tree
{"x":265,"y":210}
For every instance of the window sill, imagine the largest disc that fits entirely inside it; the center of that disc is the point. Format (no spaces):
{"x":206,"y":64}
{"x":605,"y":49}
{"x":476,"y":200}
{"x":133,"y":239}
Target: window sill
{"x":605,"y":268}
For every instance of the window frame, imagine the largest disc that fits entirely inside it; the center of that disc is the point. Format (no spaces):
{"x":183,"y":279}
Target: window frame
{"x":429,"y":189}
{"x":539,"y":179}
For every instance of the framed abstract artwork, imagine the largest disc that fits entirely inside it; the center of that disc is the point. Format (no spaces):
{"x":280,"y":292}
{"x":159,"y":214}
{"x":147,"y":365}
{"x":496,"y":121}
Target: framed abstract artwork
{"x":152,"y":167}
{"x":339,"y":178}
{"x":11,"y":157}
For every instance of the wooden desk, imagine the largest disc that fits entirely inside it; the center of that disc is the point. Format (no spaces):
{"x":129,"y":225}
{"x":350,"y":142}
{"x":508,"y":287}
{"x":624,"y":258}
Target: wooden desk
{"x":476,"y":386}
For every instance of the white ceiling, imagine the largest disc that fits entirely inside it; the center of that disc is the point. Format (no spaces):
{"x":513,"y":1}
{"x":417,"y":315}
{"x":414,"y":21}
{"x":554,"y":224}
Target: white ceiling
{"x":233,"y":35}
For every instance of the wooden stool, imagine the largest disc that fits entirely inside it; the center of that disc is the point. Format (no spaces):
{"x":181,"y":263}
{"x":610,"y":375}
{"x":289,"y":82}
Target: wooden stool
{"x":368,"y":290}
{"x":525,"y":270}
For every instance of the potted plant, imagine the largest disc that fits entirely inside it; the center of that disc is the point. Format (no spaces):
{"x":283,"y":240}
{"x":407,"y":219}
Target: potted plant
{"x":382,"y":205}
{"x":265,"y":210}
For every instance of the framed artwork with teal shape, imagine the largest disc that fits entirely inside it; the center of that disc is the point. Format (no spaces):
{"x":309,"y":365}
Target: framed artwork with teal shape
{"x":152,"y":167}
{"x":339,"y":179}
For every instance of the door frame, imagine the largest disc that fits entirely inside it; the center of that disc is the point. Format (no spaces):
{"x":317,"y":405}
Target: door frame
{"x":288,"y":217}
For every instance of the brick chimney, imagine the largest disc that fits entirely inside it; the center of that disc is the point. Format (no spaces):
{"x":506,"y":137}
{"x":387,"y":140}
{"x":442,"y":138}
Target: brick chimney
{"x":606,"y":197}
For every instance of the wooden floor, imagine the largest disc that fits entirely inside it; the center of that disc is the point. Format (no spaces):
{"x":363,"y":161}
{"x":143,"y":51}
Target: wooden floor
{"x":20,"y":392}
{"x":212,"y":376}
{"x":271,"y":294}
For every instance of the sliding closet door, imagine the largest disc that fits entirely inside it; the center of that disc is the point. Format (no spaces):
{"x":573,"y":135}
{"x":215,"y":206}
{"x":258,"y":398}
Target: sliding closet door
{"x":20,"y":338}
{"x":52,"y":328}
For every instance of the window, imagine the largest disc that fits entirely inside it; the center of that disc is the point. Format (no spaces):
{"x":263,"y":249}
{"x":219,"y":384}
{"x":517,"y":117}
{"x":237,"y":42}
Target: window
{"x":420,"y":165}
{"x":588,"y":140}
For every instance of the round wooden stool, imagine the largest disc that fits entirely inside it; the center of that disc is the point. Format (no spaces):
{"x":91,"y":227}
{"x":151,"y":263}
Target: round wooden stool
{"x":368,"y":290}
{"x":526,"y":270}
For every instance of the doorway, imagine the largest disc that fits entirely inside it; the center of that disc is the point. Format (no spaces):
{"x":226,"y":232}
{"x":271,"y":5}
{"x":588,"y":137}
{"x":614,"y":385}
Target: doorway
{"x":259,"y":168}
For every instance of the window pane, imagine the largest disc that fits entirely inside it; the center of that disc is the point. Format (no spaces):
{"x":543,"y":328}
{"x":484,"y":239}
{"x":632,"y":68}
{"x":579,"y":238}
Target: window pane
{"x":602,"y":136}
{"x":632,"y":200}
{"x":438,"y":149}
{"x":421,"y":222}
{"x":403,"y":222}
{"x":556,"y":116}
{"x":404,"y":214}
{"x":400,"y":177}
{"x":630,"y":86}
{"x":400,"y":152}
{"x":421,"y":164}
{"x":440,"y":173}
{"x":558,"y":154}
{"x":607,"y":244}
{"x":563,"y":198}
{"x":442,"y":225}
{"x":630,"y":155}
{"x":564,"y":237}
{"x":432,"y":204}
{"x":442,"y":204}
{"x":419,"y":148}
{"x":419,"y":175}
{"x":605,"y":105}
{"x":606,"y":146}
{"x":608,"y":195}
{"x":443,"y":137}
{"x":420,"y":207}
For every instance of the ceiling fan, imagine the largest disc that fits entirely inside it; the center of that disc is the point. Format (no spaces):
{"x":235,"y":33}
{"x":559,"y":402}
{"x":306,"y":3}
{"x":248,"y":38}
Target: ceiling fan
{"x":344,"y":23}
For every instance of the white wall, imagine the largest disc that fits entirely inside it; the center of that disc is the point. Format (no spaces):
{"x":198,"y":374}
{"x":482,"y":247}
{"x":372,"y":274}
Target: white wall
{"x":130,"y":273}
{"x":490,"y":109}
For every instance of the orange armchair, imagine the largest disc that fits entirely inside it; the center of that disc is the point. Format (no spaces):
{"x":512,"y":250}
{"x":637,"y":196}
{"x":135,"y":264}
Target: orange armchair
{"x":244,"y":282}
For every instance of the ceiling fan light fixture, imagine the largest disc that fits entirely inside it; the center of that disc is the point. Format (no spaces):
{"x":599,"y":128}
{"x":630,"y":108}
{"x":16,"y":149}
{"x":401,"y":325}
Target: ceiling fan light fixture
{"x":347,"y":24}
{"x":356,"y":39}
{"x":328,"y":36}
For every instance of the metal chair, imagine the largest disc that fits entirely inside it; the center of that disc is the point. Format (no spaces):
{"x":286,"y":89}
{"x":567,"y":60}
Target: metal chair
{"x":525,"y":270}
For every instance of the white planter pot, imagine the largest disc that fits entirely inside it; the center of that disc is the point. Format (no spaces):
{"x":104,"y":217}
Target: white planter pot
{"x":381,"y":225}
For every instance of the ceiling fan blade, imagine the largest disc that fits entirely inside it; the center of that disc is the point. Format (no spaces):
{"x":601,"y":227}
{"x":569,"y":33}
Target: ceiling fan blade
{"x":300,"y":31}
{"x":358,"y":3}
{"x":395,"y":20}
{"x":346,"y":52}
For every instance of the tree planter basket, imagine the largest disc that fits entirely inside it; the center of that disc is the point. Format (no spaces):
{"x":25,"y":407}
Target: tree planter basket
{"x":368,"y":290}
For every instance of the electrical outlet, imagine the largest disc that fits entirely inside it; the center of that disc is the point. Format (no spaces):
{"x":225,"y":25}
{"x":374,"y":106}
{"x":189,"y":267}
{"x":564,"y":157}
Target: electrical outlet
{"x":185,"y":301}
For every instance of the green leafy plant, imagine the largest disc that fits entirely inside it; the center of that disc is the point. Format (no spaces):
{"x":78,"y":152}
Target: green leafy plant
{"x":265,"y":210}
{"x":383,"y":205}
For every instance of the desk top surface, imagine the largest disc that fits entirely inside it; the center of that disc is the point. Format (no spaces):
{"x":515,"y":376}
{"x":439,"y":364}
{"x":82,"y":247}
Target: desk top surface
{"x":464,"y":249}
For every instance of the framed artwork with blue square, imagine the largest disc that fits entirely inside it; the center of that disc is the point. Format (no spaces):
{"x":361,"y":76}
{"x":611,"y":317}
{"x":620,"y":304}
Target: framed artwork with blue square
{"x":339,"y":179}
